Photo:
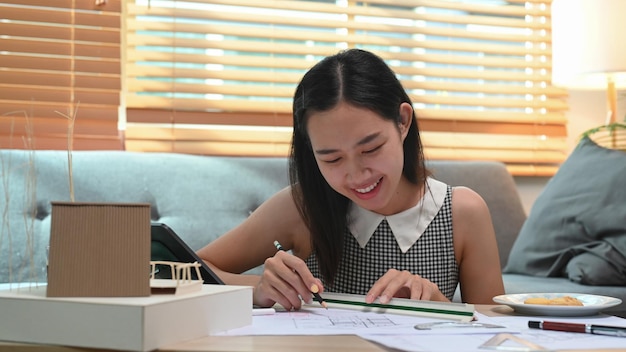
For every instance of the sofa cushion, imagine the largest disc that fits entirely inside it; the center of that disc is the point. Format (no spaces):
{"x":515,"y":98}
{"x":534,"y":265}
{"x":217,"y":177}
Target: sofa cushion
{"x":199,"y":197}
{"x":577,"y":225}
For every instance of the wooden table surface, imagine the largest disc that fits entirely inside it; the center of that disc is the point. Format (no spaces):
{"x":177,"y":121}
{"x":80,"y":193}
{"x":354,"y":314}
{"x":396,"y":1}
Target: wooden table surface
{"x":309,"y":343}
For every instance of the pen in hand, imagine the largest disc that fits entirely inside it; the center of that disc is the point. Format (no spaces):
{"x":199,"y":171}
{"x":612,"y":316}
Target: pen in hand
{"x":574,"y":327}
{"x":314,"y":289}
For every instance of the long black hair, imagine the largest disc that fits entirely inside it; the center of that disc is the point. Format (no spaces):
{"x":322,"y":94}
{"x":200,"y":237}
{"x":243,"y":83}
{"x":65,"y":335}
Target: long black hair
{"x":364,"y":80}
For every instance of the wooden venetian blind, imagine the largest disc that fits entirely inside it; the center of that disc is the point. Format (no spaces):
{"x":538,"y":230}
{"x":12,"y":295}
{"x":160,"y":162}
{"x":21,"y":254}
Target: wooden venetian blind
{"x":60,"y":59}
{"x":217,"y":77}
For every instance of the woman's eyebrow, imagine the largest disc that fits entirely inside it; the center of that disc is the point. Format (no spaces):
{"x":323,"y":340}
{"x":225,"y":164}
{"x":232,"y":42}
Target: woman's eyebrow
{"x":368,"y":138}
{"x":362,"y":141}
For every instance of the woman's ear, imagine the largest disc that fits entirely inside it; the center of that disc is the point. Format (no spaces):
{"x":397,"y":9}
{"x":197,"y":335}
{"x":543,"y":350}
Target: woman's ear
{"x":406,"y":117}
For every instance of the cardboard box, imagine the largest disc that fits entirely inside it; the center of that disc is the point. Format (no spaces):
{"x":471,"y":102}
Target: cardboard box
{"x":99,"y":250}
{"x":122,"y":323}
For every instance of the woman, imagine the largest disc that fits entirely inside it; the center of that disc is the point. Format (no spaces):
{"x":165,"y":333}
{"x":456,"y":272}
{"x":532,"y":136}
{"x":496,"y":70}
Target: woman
{"x":362,"y":215}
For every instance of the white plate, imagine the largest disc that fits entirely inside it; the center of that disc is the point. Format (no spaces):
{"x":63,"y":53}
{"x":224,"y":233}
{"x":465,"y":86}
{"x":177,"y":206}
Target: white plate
{"x":592,"y":304}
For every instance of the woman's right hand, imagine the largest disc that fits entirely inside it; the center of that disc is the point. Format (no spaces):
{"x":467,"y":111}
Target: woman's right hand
{"x":286,"y":280}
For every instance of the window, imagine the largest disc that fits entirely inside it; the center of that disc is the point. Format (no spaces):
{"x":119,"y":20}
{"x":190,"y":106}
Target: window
{"x":217,"y":77}
{"x":60,"y":71}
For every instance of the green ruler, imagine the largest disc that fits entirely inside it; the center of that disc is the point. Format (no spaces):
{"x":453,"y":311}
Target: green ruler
{"x":445,"y":310}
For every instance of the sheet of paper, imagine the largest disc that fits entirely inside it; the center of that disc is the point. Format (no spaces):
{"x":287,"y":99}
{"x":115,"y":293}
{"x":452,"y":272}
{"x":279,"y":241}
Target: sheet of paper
{"x":430,"y":343}
{"x":551,"y":340}
{"x":336,"y":321}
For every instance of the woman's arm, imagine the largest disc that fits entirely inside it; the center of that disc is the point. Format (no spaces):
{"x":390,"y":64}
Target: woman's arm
{"x":475,"y":248}
{"x":248,"y":244}
{"x":286,"y":277}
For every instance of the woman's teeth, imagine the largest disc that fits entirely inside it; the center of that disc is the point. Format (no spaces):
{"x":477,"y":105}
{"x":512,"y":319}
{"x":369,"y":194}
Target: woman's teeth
{"x":367,"y":189}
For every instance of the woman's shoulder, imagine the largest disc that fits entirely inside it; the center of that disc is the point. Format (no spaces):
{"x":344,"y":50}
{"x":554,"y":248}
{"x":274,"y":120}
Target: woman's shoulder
{"x":287,"y":223}
{"x":471,"y":223}
{"x":466,"y":200}
{"x":281,"y":204}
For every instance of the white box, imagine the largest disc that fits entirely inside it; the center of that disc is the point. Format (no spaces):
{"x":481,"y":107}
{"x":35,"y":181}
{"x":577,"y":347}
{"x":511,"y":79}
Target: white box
{"x":122,"y":323}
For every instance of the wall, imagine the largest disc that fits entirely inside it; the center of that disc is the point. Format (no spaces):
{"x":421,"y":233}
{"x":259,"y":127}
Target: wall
{"x":588,"y":109}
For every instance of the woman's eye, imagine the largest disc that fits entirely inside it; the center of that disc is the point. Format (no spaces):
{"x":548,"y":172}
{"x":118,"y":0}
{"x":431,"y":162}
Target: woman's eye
{"x":369,"y":151}
{"x":332,"y":161}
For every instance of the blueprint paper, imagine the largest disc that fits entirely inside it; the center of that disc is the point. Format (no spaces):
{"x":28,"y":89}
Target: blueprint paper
{"x":337,"y":321}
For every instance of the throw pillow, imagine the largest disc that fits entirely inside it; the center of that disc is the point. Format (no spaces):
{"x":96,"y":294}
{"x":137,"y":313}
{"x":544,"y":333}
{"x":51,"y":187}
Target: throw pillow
{"x":581,"y":209}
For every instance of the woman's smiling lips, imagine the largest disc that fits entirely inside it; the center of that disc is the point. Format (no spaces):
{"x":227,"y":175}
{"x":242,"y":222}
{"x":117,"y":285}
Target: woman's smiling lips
{"x":369,"y":191}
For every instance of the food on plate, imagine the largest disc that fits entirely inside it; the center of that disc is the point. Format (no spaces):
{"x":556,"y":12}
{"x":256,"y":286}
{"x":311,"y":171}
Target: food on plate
{"x":557,"y":301}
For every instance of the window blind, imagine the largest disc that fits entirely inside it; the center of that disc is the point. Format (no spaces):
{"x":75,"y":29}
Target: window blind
{"x":217,"y":77}
{"x":60,"y":74}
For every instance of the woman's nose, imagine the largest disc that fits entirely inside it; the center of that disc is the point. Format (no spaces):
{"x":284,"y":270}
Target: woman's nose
{"x":356,"y":172}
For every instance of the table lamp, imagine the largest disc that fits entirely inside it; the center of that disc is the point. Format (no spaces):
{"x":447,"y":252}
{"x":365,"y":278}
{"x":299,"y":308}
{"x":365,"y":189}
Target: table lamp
{"x":589,"y":47}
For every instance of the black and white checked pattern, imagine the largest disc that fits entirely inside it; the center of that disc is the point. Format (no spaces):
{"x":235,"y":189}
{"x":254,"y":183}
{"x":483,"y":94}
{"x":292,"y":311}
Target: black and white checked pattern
{"x":432,"y":257}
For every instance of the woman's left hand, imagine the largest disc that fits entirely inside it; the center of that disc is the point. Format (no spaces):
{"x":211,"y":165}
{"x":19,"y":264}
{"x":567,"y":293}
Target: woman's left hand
{"x":403,"y":284}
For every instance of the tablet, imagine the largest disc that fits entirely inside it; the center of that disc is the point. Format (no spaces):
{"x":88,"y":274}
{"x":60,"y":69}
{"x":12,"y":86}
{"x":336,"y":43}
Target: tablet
{"x":166,"y":245}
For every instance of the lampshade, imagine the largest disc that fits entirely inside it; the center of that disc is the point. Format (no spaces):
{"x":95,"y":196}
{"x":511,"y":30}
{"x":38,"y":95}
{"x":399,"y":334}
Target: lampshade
{"x":588,"y":43}
{"x":589,"y":48}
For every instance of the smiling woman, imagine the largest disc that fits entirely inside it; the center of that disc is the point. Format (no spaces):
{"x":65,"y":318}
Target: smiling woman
{"x":359,"y":153}
{"x":361,"y":216}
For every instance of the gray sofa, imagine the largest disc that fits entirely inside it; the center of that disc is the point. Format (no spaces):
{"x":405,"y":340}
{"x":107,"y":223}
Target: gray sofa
{"x":202,"y":197}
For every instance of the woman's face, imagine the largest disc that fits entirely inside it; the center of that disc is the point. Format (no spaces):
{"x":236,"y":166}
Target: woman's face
{"x":360,"y":154}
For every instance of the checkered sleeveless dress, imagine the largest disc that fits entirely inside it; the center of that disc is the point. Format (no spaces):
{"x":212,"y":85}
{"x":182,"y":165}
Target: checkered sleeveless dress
{"x":432,"y":257}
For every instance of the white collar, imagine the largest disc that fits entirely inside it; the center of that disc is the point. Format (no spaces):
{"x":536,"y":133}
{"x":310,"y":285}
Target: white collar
{"x":408,"y":225}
